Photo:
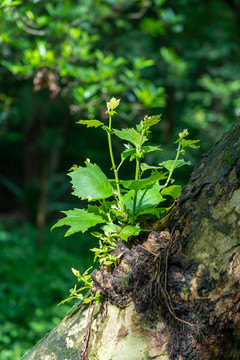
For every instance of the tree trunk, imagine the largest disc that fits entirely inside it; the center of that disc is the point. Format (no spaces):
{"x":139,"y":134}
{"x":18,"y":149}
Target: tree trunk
{"x":177,"y":295}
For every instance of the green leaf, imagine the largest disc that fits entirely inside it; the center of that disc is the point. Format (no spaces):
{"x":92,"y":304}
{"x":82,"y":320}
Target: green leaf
{"x":98,"y":209}
{"x":78,"y":296}
{"x":143,"y":183}
{"x":145,"y":167}
{"x":95,"y":250}
{"x":168,"y":164}
{"x":95,"y":209}
{"x":90,"y":183}
{"x":141,"y":62}
{"x":7,"y":3}
{"x":188,"y":143}
{"x":173,"y":191}
{"x":146,"y":199}
{"x":128,"y":231}
{"x":90,"y":123}
{"x":158,"y":212}
{"x":112,"y":228}
{"x":148,"y":148}
{"x":130,"y":135}
{"x":144,"y":150}
{"x":129,"y":152}
{"x":151,"y":120}
{"x":78,"y":220}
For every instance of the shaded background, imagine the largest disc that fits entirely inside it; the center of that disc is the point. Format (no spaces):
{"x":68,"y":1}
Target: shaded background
{"x":60,"y":61}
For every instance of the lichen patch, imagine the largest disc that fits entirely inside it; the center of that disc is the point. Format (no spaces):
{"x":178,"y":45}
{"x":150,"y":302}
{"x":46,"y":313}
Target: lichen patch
{"x":76,"y":329}
{"x":69,"y":343}
{"x":133,"y":348}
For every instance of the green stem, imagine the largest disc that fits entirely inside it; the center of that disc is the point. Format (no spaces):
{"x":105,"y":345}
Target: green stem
{"x":134,"y":207}
{"x":173,"y":166}
{"x":119,"y":165}
{"x":137,"y":168}
{"x":138,"y":152}
{"x":113,"y":163}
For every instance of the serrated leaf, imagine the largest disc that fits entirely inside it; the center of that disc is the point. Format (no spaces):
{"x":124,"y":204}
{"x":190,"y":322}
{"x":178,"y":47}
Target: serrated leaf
{"x":126,"y":153}
{"x":90,"y":123}
{"x":173,"y":191}
{"x":90,"y":183}
{"x":146,"y":199}
{"x":168,"y":164}
{"x":98,"y":209}
{"x":188,"y":143}
{"x":145,"y":167}
{"x":111,"y":228}
{"x":143,"y":183}
{"x":148,"y":148}
{"x":128,"y":231}
{"x":151,"y":120}
{"x":93,"y":209}
{"x":130,"y":135}
{"x":78,"y":220}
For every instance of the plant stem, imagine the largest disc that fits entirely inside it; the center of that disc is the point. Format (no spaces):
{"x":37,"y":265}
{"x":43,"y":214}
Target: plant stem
{"x":134,"y":207}
{"x":138,"y":153}
{"x":173,"y":166}
{"x":113,"y":163}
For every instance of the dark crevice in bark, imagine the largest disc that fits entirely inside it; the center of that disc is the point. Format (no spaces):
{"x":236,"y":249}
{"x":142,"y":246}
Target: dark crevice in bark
{"x":216,"y":302}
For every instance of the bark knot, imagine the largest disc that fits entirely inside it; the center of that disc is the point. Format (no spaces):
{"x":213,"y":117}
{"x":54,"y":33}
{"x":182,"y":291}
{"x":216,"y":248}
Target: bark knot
{"x":136,"y":268}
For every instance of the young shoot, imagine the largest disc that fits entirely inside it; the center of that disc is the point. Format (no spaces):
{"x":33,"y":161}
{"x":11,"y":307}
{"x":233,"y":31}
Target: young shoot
{"x":118,"y":206}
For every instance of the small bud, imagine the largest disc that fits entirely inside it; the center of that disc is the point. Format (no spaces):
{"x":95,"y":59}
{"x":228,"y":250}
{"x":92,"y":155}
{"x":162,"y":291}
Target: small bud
{"x":76,"y":272}
{"x":113,"y":103}
{"x":183,"y":134}
{"x":74,"y":167}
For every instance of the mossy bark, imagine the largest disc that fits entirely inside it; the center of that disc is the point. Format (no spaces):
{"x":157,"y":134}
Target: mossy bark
{"x":180,"y":301}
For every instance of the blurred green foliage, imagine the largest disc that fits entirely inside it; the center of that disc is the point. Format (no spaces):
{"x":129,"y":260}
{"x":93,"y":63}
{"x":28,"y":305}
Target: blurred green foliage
{"x":33,"y":283}
{"x":59,"y":62}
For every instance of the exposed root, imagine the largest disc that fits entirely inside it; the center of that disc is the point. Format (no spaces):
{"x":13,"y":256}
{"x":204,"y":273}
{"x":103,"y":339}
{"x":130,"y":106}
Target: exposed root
{"x":83,"y":353}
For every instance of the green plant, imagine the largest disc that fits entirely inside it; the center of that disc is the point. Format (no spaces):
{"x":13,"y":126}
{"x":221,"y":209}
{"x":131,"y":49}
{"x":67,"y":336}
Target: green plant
{"x":88,"y":284}
{"x":120,"y":205}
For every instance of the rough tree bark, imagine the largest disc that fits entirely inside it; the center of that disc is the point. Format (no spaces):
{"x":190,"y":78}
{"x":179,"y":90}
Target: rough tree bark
{"x":177,"y":294}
